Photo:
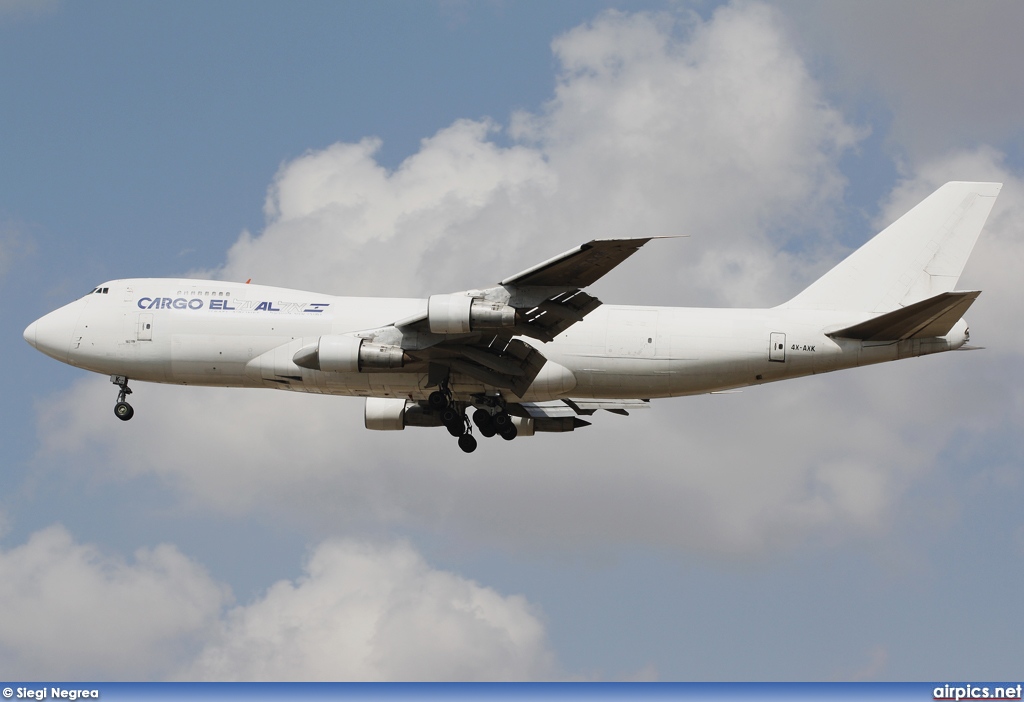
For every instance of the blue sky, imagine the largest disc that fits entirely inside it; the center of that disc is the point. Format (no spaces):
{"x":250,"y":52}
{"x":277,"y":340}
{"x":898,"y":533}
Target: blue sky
{"x":870,"y":527}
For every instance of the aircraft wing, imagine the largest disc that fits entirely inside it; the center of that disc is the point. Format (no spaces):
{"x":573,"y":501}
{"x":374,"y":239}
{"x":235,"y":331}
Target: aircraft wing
{"x":473,"y":332}
{"x":579,"y":267}
{"x":548,"y":296}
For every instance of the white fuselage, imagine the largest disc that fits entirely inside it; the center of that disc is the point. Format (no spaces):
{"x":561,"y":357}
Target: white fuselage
{"x":194,"y":332}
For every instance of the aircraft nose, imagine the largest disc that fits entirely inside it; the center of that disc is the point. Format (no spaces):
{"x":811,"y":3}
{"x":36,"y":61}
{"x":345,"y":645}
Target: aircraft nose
{"x":52,"y":333}
{"x":30,"y":333}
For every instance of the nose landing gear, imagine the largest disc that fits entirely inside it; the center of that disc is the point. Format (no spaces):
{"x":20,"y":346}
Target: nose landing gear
{"x":122,"y":410}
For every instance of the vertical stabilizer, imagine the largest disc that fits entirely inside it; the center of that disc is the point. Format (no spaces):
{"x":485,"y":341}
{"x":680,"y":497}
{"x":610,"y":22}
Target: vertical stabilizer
{"x":918,"y":256}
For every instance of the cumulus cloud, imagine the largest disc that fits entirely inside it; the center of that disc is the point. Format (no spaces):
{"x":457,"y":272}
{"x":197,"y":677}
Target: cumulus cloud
{"x":366,"y":613}
{"x":361,"y":612}
{"x":651,"y":130}
{"x":708,"y":473}
{"x":341,"y":223}
{"x":658,"y":125}
{"x":947,"y":71}
{"x":71,"y":611}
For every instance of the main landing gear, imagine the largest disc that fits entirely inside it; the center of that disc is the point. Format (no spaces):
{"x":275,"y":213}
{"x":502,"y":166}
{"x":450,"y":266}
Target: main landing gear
{"x":122,"y":410}
{"x":499,"y":423}
{"x":442,"y":402}
{"x":493,"y":420}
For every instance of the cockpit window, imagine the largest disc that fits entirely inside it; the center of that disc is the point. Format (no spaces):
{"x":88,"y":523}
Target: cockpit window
{"x":99,"y":291}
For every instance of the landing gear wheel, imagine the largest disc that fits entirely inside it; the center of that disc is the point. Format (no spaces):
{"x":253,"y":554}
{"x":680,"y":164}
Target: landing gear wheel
{"x":453,"y":421}
{"x":483,"y":421}
{"x":467,"y":443}
{"x":123,"y":411}
{"x":510,"y":432}
{"x":437,"y":400}
{"x":501,"y":420}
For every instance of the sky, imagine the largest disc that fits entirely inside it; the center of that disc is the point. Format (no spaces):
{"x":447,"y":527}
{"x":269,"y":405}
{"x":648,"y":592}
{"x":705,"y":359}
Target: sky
{"x":865,"y":525}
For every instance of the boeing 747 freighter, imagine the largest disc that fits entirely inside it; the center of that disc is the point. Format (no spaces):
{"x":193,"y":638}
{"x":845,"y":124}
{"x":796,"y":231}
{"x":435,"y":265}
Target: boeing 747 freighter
{"x":534,"y":353}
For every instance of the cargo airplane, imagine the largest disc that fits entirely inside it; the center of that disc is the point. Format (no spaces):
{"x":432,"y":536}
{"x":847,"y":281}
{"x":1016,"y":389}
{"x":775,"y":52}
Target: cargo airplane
{"x":534,"y":353}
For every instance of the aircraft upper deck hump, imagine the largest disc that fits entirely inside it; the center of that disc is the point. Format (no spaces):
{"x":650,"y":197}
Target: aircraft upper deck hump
{"x":919,"y":256}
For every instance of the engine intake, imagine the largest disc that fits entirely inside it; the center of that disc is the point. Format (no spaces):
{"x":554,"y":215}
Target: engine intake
{"x":348,"y":354}
{"x":458,"y":313}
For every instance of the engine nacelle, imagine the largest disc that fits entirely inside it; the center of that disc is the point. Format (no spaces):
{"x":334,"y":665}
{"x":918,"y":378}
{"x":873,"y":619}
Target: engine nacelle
{"x":524,"y":426}
{"x":348,"y":354}
{"x":459,"y":313}
{"x":385,"y":413}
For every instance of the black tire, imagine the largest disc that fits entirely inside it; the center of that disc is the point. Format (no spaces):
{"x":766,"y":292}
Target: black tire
{"x":467,"y":443}
{"x":510,"y":432}
{"x":482,"y":418}
{"x":456,"y":428}
{"x":450,"y":415}
{"x":487,"y":431}
{"x":123,"y":411}
{"x":437,"y":400}
{"x":501,"y":420}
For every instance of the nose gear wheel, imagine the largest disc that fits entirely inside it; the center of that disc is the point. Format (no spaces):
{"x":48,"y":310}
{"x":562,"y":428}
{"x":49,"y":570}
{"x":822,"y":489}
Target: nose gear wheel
{"x":122,"y":410}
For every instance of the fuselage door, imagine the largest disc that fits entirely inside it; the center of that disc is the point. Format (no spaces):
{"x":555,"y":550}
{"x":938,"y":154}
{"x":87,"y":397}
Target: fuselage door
{"x":777,"y":347}
{"x":145,"y":326}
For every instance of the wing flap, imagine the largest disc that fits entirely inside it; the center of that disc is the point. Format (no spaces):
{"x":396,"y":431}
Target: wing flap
{"x":513,"y":367}
{"x":932,"y":317}
{"x":554,"y":409}
{"x":556,"y":314}
{"x":613,"y":406}
{"x":570,"y":408}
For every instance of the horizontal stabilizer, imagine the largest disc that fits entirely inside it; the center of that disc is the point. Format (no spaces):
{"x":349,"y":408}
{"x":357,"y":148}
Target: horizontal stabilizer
{"x":932,"y":317}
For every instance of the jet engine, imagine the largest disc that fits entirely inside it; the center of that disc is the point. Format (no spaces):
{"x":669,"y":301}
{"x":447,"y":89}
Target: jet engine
{"x":459,"y":313}
{"x":385,"y":413}
{"x":348,"y":354}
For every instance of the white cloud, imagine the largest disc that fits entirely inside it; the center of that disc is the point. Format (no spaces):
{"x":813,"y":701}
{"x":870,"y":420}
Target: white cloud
{"x":658,"y":126}
{"x":948,"y":71}
{"x":377,"y":613}
{"x":361,"y":612}
{"x":341,"y":223}
{"x":734,"y":474}
{"x":73,"y":612}
{"x":713,"y":128}
{"x":652,"y":130}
